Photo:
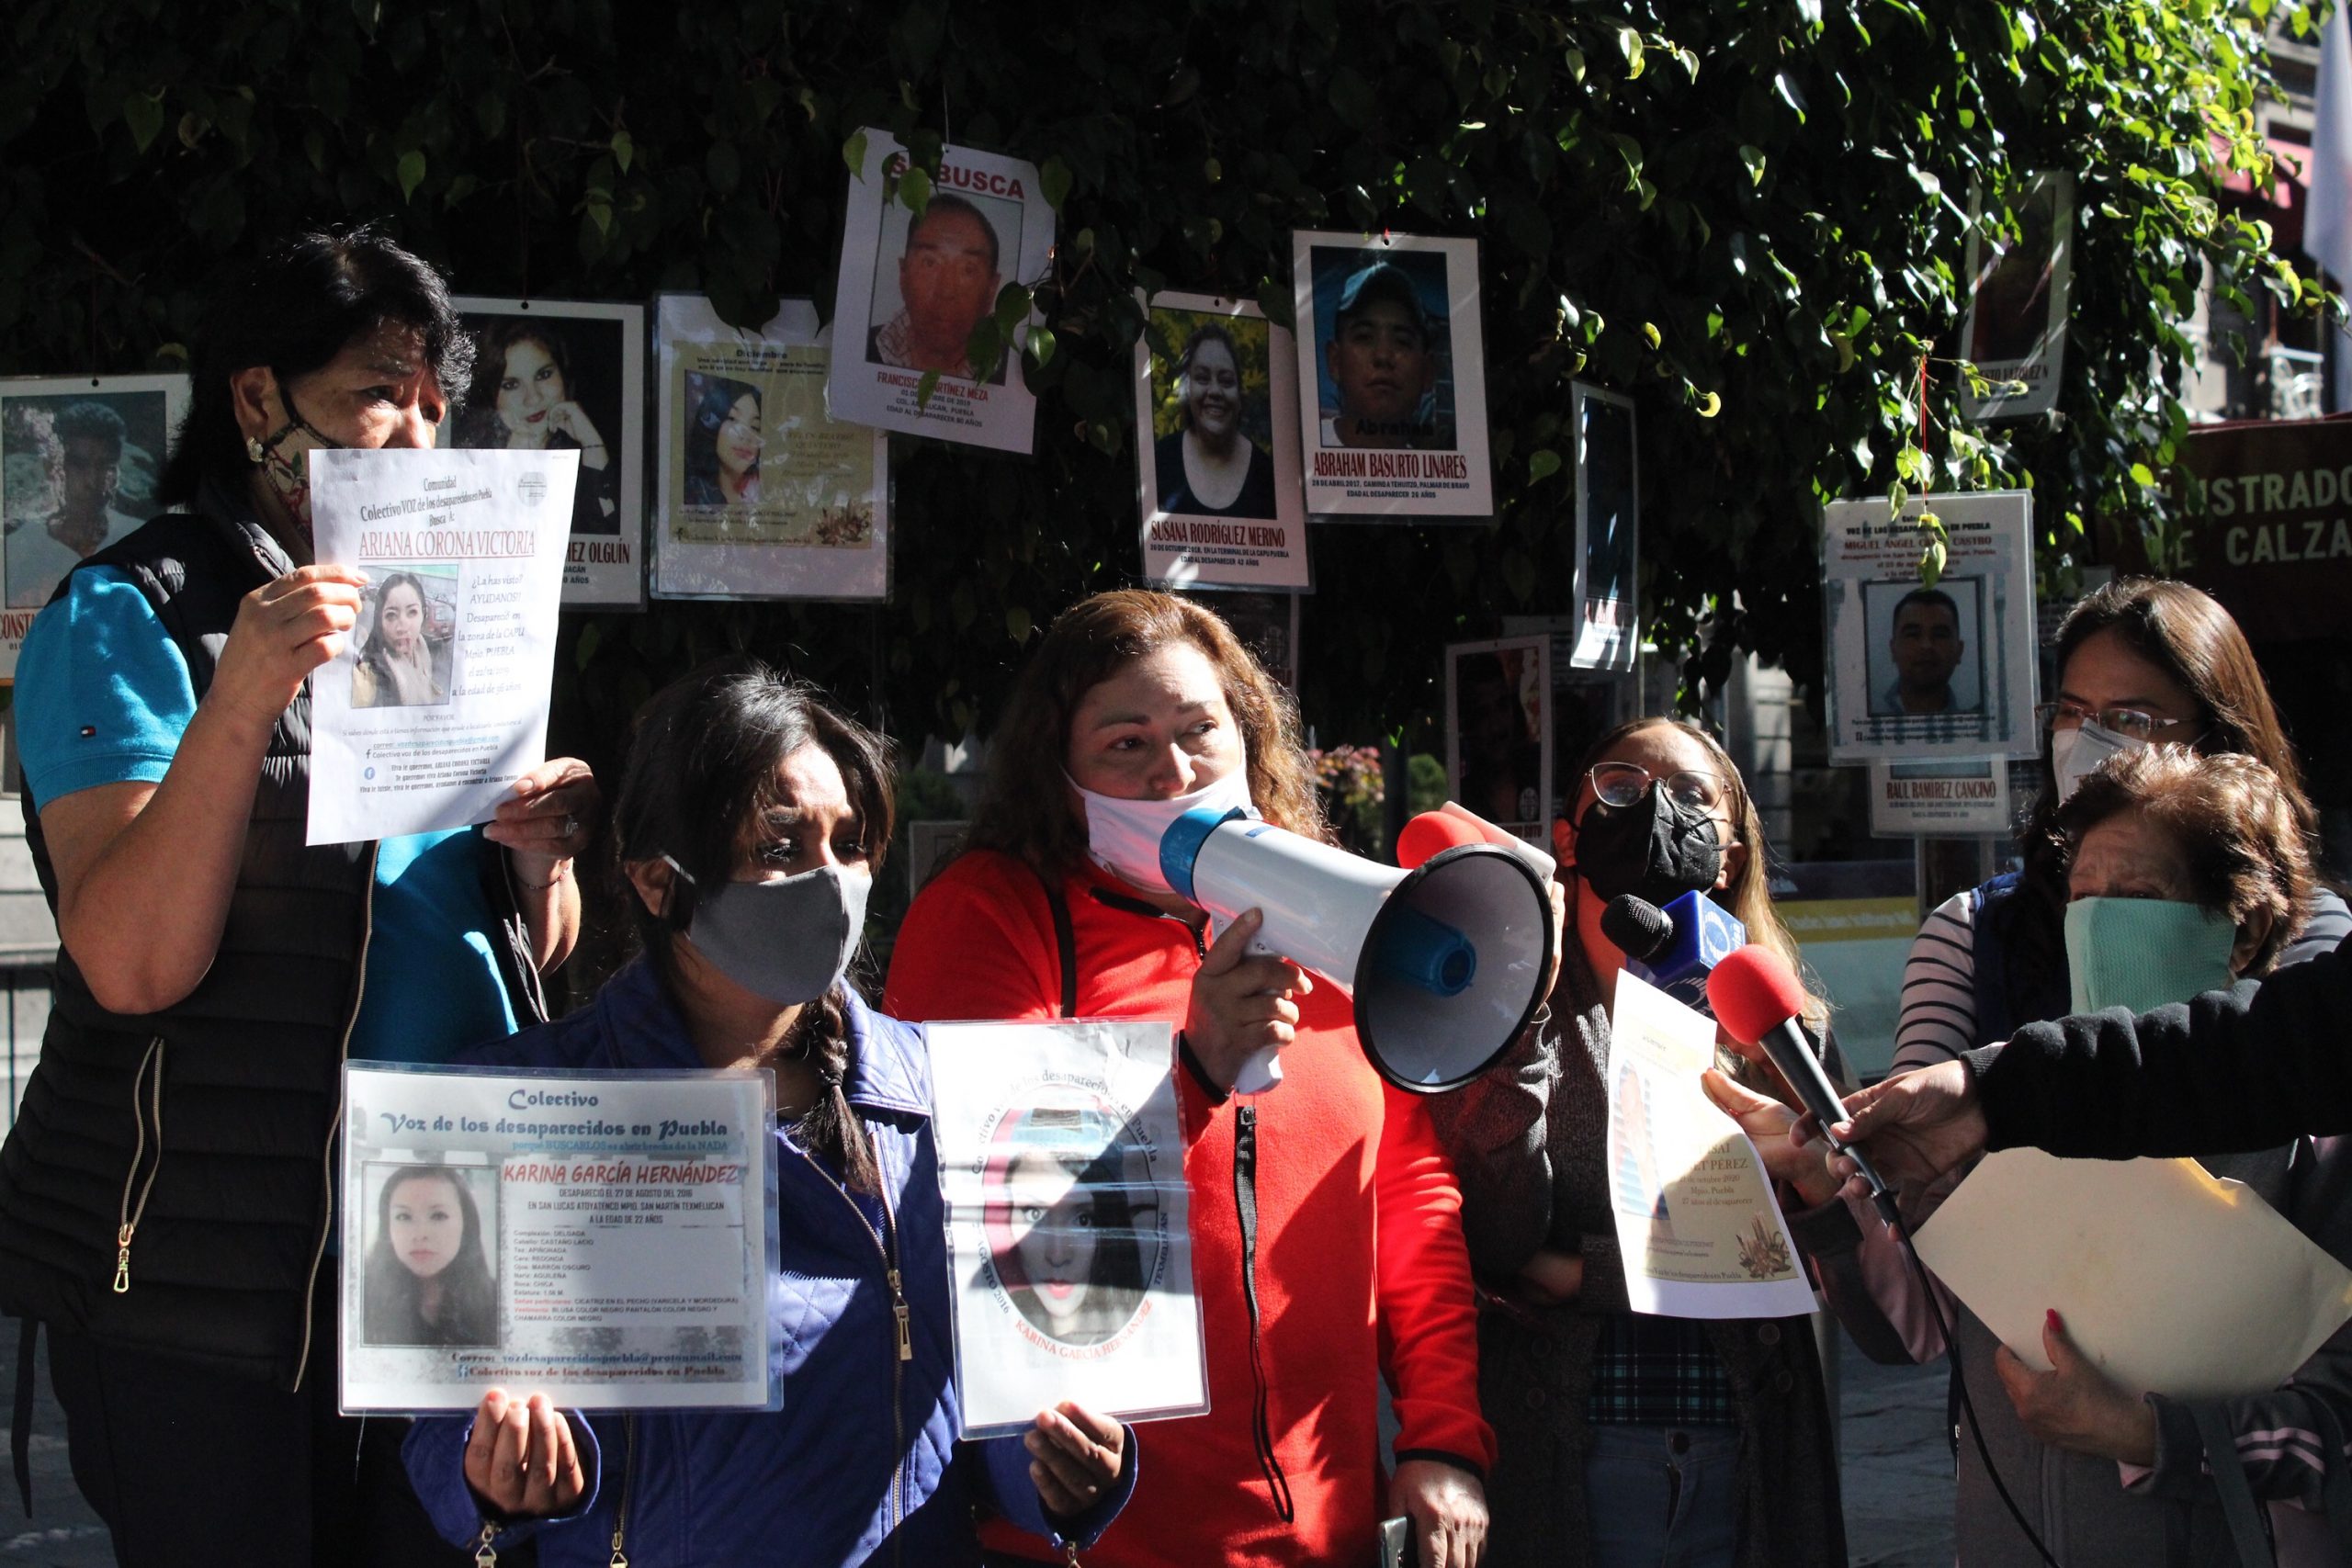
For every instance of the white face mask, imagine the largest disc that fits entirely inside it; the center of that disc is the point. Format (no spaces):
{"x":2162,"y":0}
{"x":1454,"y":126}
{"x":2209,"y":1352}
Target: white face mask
{"x":1124,"y":835}
{"x":2075,"y":754}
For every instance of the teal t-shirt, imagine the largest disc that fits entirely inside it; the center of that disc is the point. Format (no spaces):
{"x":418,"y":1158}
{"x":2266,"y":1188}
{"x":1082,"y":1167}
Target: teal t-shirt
{"x":103,"y":697}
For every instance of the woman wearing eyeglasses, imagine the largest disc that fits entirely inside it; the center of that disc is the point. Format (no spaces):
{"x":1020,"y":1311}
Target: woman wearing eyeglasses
{"x":1628,"y":1439}
{"x":2140,"y":663}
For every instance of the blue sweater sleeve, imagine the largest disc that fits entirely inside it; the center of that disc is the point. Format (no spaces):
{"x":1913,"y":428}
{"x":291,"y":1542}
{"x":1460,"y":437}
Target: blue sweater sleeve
{"x":435,"y":1454}
{"x":1007,"y":1464}
{"x":103,"y":693}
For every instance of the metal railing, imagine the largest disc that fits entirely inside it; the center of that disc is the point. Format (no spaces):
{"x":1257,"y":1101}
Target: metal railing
{"x":27,"y":976}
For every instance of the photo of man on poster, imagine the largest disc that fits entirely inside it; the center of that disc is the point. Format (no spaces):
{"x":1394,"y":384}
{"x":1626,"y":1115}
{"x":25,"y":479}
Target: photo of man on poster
{"x":948,"y":274}
{"x":81,"y":444}
{"x":1926,"y":643}
{"x":1381,"y":361}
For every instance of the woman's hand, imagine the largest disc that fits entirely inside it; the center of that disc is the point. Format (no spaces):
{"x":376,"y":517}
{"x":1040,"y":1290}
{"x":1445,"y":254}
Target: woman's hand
{"x":521,"y":1458}
{"x":1551,"y":1277}
{"x":1241,"y":1005}
{"x":1448,"y":1508}
{"x":573,"y":420}
{"x":1767,"y":1123}
{"x":2075,"y":1407}
{"x":284,"y":629}
{"x":1075,"y":1457}
{"x":554,"y":811}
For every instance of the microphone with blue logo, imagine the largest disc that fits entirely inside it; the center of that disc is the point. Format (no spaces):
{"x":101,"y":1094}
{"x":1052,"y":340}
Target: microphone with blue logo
{"x":1674,"y":948}
{"x":1445,"y":961}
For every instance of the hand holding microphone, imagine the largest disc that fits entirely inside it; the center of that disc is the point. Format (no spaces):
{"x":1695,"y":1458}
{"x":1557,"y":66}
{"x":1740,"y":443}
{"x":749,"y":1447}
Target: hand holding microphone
{"x":1758,"y":999}
{"x":1242,"y":1012}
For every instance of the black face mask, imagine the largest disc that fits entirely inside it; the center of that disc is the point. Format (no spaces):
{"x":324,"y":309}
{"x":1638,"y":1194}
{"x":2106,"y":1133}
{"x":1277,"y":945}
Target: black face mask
{"x":1654,"y":848}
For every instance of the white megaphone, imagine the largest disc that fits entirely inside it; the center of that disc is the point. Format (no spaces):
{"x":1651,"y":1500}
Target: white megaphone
{"x":1446,"y":963}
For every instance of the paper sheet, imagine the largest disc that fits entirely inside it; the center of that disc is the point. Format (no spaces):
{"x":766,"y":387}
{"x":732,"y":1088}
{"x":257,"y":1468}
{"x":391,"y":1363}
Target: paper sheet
{"x":1697,"y":1226}
{"x":439,"y":700}
{"x":2169,"y":1278}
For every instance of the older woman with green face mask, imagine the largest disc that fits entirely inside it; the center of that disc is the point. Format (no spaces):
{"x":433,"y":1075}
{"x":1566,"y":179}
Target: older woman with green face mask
{"x":2183,"y":874}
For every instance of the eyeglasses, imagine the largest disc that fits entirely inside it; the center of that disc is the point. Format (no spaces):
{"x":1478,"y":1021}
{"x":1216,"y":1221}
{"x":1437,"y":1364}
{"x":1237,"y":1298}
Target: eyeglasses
{"x":1621,"y":783}
{"x":2132,"y":724}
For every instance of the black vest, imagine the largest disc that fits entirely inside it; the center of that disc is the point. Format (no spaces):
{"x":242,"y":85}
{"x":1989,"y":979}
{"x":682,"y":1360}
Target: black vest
{"x":212,"y":1120}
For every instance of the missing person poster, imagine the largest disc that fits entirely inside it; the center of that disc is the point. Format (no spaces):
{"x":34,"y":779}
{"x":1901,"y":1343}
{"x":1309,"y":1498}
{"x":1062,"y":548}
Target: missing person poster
{"x":764,"y":495}
{"x":1608,"y":633}
{"x":438,"y":702}
{"x":1216,"y":451}
{"x":1698,"y":1227}
{"x":2016,"y":328}
{"x":1061,"y":1162}
{"x":1392,"y":376}
{"x":81,"y":462}
{"x":1498,"y":732}
{"x":1920,"y":671}
{"x":603,"y":1237}
{"x":568,"y":376}
{"x":918,"y":273}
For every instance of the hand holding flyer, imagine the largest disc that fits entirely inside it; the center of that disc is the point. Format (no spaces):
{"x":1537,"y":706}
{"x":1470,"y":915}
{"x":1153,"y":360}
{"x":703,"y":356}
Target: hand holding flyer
{"x":1697,"y":1225}
{"x":440,"y":702}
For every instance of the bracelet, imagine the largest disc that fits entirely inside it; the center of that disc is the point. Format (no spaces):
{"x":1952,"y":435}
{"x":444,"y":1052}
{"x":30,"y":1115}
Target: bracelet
{"x":563,"y":871}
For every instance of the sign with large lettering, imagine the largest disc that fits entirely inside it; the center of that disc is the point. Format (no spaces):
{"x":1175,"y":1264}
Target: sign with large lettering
{"x":2274,"y":544}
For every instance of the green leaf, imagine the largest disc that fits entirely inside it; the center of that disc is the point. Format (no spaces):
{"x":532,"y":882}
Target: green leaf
{"x":925,"y":385}
{"x":1016,"y":624}
{"x":1053,"y":179}
{"x":144,"y":115}
{"x":2141,"y":476}
{"x":624,"y":149}
{"x":410,"y":172}
{"x":1629,"y":44}
{"x":1541,"y":465}
{"x":853,"y":154}
{"x":1040,"y":344}
{"x":590,"y":637}
{"x":1012,"y":308}
{"x":1754,"y":158}
{"x":1710,"y":404}
{"x":914,"y":189}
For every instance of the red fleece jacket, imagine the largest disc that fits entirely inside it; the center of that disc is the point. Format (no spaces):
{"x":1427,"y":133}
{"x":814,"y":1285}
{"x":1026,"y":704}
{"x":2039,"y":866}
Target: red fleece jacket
{"x":1360,"y":1263}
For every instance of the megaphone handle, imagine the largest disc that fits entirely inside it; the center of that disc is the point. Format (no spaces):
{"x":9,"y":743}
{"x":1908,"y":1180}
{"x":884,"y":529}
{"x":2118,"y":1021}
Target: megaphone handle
{"x":1261,"y":1071}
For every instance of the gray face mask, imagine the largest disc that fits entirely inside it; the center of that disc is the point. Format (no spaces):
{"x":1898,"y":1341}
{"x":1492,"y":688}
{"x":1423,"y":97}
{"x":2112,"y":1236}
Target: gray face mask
{"x":787,"y":940}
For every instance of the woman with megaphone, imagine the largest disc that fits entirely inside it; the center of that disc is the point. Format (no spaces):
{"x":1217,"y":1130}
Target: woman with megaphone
{"x":1327,"y":1245}
{"x":1629,"y":1441}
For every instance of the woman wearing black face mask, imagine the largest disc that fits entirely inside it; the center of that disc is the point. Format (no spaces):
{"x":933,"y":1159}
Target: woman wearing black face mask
{"x":1628,"y":1439}
{"x":750,"y":823}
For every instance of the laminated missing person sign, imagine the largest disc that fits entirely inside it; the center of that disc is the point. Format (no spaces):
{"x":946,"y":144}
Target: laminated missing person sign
{"x":438,"y":702}
{"x":603,"y":1238}
{"x":1061,"y":1161}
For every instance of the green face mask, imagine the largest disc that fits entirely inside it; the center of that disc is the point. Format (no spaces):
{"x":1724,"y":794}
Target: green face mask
{"x":2140,"y":954}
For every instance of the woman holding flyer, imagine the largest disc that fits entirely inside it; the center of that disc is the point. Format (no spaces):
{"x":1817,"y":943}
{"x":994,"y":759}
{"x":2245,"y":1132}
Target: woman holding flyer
{"x":166,"y":1194}
{"x":751,"y":822}
{"x":1628,"y":1441}
{"x":1327,"y":1249}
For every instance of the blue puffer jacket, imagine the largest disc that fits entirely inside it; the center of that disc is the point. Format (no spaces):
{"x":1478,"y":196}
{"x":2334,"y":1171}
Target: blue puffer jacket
{"x":842,"y":1474}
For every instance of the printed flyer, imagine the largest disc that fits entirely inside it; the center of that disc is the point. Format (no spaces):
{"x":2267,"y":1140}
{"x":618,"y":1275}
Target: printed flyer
{"x":763,"y":494}
{"x":81,"y":461}
{"x":918,"y":273}
{"x":1061,"y":1161}
{"x":603,"y":1237}
{"x":1938,"y":669}
{"x":1218,"y":469}
{"x":439,"y":699}
{"x":1697,"y":1225}
{"x":1392,"y":376}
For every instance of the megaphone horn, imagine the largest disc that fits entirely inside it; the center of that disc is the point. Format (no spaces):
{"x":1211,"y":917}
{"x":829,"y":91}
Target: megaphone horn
{"x":1444,"y":963}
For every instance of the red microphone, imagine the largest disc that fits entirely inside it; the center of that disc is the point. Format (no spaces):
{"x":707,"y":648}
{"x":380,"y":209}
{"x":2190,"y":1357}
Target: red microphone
{"x":1432,"y":833}
{"x":1758,"y":999}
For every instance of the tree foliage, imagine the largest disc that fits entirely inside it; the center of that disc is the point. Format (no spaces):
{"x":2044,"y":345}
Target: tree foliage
{"x":1751,"y":214}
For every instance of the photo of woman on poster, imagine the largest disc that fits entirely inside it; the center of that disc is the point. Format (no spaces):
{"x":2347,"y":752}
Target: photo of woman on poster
{"x":723,"y":440}
{"x":1062,"y":1224}
{"x":428,"y":1274}
{"x":524,"y":398}
{"x":406,"y":661}
{"x":1210,"y":465}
